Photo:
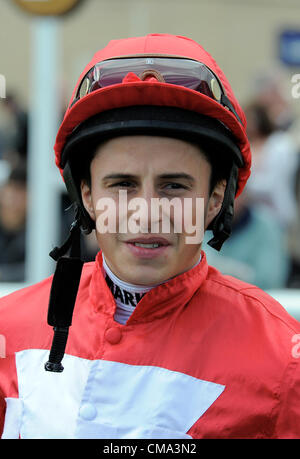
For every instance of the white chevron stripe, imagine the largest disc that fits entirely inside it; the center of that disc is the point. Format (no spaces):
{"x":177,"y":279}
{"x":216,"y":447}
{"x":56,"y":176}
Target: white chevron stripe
{"x":103,"y":399}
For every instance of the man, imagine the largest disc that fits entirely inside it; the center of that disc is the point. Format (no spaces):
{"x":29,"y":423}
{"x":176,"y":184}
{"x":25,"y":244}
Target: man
{"x":160,"y":344}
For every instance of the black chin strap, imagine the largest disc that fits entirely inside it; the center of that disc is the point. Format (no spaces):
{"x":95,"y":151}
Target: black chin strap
{"x":222,"y":224}
{"x":63,"y":294}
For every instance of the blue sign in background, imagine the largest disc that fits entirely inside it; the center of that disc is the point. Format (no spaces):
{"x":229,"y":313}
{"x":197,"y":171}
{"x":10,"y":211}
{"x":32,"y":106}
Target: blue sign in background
{"x":289,"y":47}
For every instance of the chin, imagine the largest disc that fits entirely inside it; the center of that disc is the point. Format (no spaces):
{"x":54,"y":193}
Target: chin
{"x":144,"y":276}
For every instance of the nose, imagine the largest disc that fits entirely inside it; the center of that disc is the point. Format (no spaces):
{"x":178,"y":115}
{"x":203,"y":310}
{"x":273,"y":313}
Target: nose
{"x":145,"y":215}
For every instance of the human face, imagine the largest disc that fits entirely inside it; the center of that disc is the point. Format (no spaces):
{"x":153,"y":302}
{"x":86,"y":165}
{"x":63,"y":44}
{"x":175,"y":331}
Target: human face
{"x":150,"y":167}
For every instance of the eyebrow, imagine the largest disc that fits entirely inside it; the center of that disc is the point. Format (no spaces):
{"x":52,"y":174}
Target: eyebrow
{"x":118,"y":176}
{"x":177,"y":175}
{"x":169,"y":176}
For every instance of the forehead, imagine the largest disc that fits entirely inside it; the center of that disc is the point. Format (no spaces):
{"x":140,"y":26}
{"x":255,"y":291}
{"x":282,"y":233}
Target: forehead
{"x":144,"y":152}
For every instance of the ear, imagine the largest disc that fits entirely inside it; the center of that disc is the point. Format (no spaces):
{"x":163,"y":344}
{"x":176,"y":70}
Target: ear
{"x":215,"y":202}
{"x":86,"y":196}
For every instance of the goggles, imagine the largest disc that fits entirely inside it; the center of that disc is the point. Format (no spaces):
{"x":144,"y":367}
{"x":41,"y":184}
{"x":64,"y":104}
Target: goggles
{"x":184,"y":72}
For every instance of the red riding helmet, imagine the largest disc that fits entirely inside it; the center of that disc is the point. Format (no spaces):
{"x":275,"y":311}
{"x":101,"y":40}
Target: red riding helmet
{"x":157,"y":84}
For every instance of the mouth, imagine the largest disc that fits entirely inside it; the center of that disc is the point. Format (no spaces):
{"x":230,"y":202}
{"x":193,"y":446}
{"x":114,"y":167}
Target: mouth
{"x":149,"y":243}
{"x":148,"y":247}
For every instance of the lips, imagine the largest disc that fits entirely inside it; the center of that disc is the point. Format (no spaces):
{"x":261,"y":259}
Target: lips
{"x":149,"y":241}
{"x":148,"y":247}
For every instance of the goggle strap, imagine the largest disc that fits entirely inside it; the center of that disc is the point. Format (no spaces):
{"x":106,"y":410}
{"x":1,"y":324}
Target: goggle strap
{"x":226,"y":102}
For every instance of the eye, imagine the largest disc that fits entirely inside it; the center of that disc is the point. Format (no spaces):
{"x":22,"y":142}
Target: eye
{"x":122,"y":184}
{"x":175,"y":186}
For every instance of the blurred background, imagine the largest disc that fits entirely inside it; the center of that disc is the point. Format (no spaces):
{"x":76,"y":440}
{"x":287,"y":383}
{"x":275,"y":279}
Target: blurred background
{"x":257,"y":45}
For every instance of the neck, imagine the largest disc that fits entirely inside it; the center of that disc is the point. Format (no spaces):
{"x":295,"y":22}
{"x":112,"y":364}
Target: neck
{"x":126,"y":295}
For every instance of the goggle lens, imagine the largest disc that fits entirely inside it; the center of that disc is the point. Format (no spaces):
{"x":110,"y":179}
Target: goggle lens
{"x":180,"y":72}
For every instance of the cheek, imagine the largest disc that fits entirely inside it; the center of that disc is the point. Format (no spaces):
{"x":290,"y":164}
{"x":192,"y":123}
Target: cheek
{"x":193,"y":216}
{"x":105,"y":215}
{"x":108,"y":243}
{"x":111,"y":213}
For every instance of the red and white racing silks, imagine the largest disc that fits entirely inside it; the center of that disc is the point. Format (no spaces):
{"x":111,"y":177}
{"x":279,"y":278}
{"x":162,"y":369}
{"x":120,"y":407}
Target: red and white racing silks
{"x":202,"y":356}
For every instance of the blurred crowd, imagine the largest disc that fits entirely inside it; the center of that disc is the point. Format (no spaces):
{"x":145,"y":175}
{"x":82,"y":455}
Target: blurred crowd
{"x":264,"y":248}
{"x":13,"y":183}
{"x":14,"y":193}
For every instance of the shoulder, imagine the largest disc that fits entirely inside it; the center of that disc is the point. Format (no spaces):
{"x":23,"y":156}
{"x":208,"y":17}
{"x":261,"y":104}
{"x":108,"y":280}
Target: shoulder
{"x":248,"y":301}
{"x":24,"y":312}
{"x":26,"y":298}
{"x":39,"y":289}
